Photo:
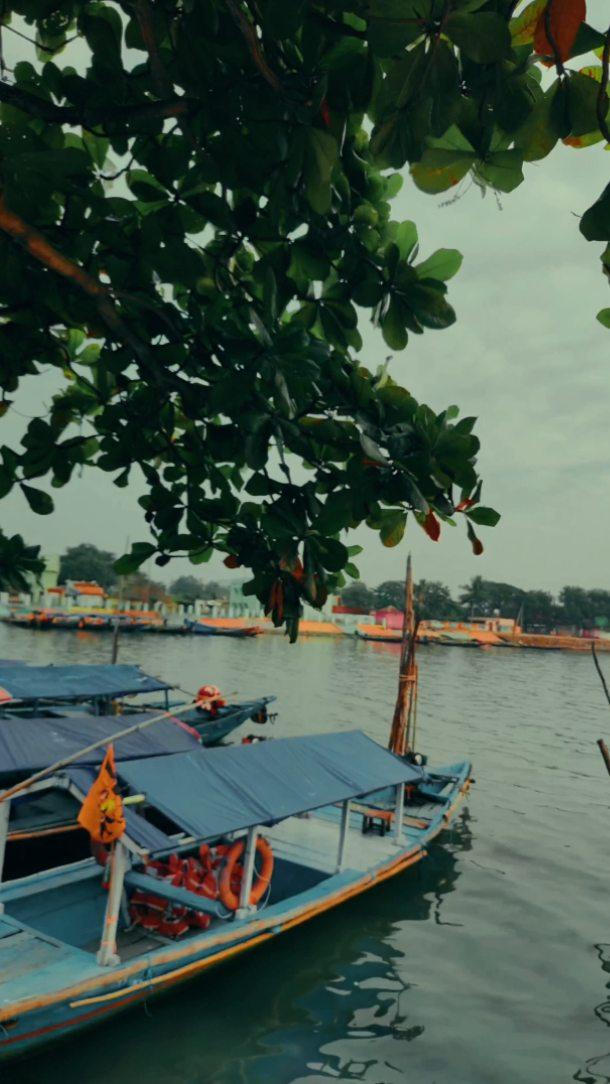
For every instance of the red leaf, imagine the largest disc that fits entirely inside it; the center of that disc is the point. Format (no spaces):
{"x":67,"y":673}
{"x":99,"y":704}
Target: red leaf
{"x":477,"y":545}
{"x":298,"y":571}
{"x":325,"y":113}
{"x":231,"y":561}
{"x":566,"y":17}
{"x":432,"y":526}
{"x":294,"y":566}
{"x":464,"y":505}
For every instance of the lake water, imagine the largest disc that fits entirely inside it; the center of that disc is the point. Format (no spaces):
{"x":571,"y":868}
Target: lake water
{"x":485,"y":964}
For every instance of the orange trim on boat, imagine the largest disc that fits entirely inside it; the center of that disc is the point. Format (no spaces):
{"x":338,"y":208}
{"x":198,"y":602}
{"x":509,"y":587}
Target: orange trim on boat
{"x":395,"y":867}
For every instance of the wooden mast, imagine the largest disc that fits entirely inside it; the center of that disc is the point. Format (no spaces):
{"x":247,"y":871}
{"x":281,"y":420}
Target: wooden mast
{"x":400,"y":736}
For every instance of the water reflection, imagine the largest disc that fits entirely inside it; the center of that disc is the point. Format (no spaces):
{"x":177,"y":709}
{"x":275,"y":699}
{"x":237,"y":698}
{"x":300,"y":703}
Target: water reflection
{"x":329,"y":1000}
{"x":506,"y":997}
{"x":597,"y":1070}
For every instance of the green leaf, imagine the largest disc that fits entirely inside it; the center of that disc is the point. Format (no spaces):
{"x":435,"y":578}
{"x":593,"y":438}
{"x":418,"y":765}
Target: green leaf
{"x":333,"y":555}
{"x":201,"y":557}
{"x":440,"y":169}
{"x":522,"y":28}
{"x":404,"y":236}
{"x":372,"y":450}
{"x":337,"y":513}
{"x":502,"y":170}
{"x":486,"y":517}
{"x":595,"y":223}
{"x":39,"y":501}
{"x":442,"y":264}
{"x":130,"y":562}
{"x":394,"y":24}
{"x":429,"y":306}
{"x":393,"y":525}
{"x":604,"y":317}
{"x":393,"y":326}
{"x":539,"y":134}
{"x":321,"y":157}
{"x":483,"y":37}
{"x":257,"y":444}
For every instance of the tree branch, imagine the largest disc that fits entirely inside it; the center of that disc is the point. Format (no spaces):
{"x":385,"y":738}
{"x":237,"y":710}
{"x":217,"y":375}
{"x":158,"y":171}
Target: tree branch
{"x":161,"y":80}
{"x":144,"y":16}
{"x":246,"y":28}
{"x":40,"y":249}
{"x":90,"y":117}
{"x":602,"y":96}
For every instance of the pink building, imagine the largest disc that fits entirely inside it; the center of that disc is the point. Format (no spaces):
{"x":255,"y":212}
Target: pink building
{"x":389,"y":618}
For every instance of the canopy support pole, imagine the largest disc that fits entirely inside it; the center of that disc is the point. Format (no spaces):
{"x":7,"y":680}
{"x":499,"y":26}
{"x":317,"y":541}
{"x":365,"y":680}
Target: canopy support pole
{"x":246,"y":883}
{"x":345,"y":811}
{"x":5,"y":812}
{"x":107,"y":954}
{"x":399,"y":812}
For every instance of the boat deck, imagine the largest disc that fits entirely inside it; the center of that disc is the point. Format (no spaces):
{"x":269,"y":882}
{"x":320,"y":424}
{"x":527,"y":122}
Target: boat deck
{"x":313,"y":840}
{"x":30,"y":960}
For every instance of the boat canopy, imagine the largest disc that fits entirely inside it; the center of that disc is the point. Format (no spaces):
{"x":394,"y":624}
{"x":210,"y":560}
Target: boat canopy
{"x":73,"y":683}
{"x":29,"y":744}
{"x":210,"y":792}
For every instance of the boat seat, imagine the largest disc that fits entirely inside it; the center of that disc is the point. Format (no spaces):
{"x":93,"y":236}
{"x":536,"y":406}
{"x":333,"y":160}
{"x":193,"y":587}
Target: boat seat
{"x":182,"y":896}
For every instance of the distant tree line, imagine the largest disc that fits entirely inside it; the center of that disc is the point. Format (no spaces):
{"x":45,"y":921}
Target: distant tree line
{"x":574,"y":606}
{"x":86,"y":562}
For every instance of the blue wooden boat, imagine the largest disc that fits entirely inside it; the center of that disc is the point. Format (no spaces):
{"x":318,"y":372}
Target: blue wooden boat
{"x":53,"y":692}
{"x":214,"y":727}
{"x":73,"y":953}
{"x":199,"y":628}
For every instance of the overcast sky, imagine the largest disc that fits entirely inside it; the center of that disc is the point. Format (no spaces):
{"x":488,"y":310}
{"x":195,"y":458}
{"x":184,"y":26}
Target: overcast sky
{"x":526,"y":356}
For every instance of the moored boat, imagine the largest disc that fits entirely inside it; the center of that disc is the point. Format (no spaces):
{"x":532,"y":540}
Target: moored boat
{"x":53,"y":692}
{"x":204,"y":855}
{"x":201,"y":628}
{"x":175,"y":865}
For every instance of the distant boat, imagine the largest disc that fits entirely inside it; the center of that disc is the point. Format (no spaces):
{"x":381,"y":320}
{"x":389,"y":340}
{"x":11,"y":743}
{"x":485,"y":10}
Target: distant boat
{"x":199,"y":628}
{"x":74,"y":952}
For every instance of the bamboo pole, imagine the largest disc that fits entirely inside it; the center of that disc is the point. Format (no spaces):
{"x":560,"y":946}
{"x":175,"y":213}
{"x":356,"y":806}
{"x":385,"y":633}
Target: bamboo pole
{"x":603,"y":748}
{"x":599,"y":671}
{"x":407,"y":678}
{"x":65,"y":763}
{"x":115,"y":632}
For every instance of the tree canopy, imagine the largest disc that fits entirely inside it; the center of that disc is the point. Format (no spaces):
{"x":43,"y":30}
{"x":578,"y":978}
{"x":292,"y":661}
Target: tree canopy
{"x":358,"y":596}
{"x":574,"y":606}
{"x":87,"y":562}
{"x":195,"y":208}
{"x":188,"y":588}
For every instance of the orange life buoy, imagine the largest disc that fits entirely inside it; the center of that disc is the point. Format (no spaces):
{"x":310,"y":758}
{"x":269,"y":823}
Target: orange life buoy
{"x":227,"y":885}
{"x":209,"y":698}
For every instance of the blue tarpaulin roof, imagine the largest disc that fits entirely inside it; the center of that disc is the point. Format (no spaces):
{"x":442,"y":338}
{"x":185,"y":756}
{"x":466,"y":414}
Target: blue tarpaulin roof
{"x":212,"y":791}
{"x":79,"y":682}
{"x":29,"y":744}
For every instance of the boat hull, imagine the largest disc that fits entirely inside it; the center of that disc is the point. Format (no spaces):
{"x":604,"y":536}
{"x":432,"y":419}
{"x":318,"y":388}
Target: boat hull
{"x":200,"y":629}
{"x":90,"y":994}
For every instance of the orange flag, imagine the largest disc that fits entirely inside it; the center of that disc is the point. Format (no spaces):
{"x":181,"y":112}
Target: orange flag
{"x":101,"y":813}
